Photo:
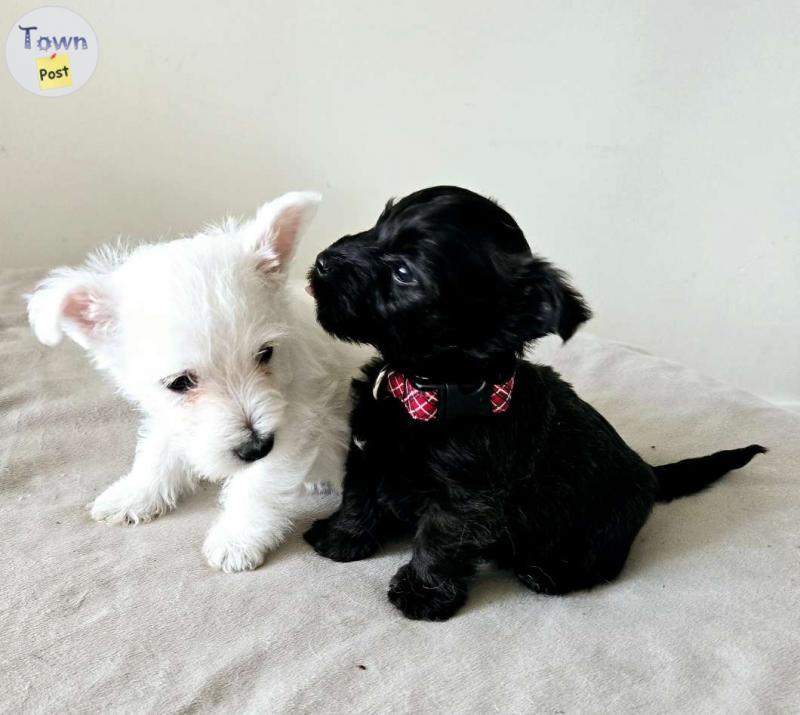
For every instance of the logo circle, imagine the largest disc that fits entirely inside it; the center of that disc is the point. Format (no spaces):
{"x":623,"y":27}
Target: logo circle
{"x":51,"y":51}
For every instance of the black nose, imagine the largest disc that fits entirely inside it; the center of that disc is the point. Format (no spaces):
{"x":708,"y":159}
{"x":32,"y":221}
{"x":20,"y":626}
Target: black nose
{"x":321,"y":265}
{"x":255,"y":448}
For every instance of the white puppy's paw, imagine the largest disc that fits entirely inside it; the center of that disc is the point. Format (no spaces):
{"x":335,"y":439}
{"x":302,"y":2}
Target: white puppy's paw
{"x":229,"y":551}
{"x":323,"y":488}
{"x":125,"y":502}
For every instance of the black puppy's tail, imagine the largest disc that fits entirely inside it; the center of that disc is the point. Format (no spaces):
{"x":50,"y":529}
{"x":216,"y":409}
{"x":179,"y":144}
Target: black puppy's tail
{"x":688,"y":476}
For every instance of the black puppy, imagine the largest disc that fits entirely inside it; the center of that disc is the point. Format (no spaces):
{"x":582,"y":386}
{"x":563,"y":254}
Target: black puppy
{"x":456,"y":439}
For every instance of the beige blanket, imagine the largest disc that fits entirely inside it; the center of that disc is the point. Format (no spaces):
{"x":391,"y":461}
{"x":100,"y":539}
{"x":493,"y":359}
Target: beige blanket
{"x":704,"y":619}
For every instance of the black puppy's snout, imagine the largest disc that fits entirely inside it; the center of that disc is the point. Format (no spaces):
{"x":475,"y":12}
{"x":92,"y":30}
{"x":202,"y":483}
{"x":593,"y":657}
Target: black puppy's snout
{"x":255,"y":448}
{"x":331,"y":259}
{"x":327,"y":261}
{"x":321,"y":265}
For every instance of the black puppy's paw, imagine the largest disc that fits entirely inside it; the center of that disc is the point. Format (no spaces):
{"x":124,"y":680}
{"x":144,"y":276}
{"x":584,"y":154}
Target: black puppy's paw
{"x":422,"y":601}
{"x":335,"y":543}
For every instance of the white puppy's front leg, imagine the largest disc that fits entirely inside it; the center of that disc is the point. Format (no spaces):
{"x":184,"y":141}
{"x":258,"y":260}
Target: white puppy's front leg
{"x":257,"y":510}
{"x":156,"y":480}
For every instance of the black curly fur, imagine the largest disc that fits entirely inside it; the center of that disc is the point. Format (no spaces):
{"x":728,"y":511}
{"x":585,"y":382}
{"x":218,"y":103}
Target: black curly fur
{"x":548,"y":489}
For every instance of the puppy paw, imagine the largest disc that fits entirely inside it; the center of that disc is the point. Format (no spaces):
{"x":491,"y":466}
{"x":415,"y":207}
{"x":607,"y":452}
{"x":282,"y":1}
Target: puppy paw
{"x":227,"y":551}
{"x":321,"y":488}
{"x":421,"y":600}
{"x":125,"y":502}
{"x":339,"y":545}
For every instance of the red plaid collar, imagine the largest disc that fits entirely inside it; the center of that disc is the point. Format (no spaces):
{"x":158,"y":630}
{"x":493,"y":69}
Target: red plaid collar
{"x":423,"y":404}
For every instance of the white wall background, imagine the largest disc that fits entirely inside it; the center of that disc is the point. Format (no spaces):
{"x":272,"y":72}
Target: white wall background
{"x":650,"y":148}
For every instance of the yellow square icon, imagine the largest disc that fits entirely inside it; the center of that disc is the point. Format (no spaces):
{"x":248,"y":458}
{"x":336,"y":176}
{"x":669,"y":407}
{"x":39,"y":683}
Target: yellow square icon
{"x":54,"y":71}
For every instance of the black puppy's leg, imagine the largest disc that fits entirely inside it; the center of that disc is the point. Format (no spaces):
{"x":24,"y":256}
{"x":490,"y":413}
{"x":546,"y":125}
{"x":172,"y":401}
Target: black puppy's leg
{"x":557,"y":576}
{"x":433,"y":585}
{"x":358,"y":527}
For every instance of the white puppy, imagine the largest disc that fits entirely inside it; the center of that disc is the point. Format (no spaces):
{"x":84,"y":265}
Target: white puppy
{"x":235,"y":380}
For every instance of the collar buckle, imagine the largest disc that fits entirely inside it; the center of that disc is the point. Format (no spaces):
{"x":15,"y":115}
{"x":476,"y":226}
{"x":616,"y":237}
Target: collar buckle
{"x":457,"y":400}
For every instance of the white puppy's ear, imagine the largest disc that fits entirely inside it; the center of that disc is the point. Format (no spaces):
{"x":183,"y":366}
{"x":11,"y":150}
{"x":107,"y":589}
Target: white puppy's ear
{"x":75,"y":302}
{"x":274,"y":232}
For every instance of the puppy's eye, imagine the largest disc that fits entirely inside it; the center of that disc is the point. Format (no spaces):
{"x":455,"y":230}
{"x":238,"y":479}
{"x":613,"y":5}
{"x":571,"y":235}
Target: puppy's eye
{"x":402,"y":274}
{"x":264,"y":355}
{"x":181,"y":383}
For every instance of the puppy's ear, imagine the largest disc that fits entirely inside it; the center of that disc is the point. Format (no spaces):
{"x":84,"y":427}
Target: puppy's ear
{"x":554,"y":305}
{"x":75,"y":302}
{"x":277,"y":227}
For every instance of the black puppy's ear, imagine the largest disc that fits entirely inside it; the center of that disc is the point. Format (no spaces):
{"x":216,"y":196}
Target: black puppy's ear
{"x":554,"y":305}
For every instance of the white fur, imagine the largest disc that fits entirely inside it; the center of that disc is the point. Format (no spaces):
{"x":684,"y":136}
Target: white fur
{"x":207,"y":304}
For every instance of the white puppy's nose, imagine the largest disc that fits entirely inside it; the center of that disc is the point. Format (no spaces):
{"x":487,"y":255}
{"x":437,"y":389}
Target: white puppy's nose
{"x":255,"y":448}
